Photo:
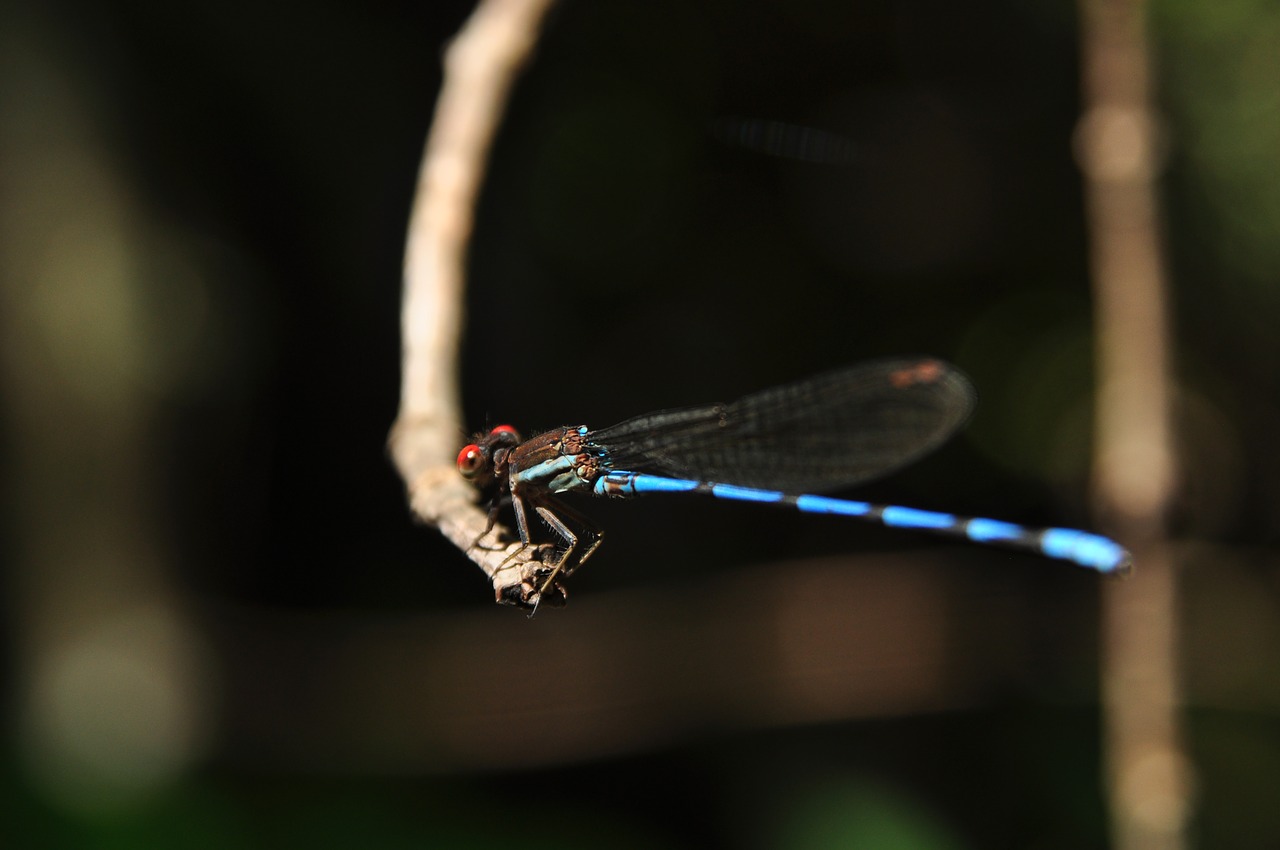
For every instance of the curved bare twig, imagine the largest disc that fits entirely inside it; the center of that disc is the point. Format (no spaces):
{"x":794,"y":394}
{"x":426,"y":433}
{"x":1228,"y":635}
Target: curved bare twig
{"x":481,"y":65}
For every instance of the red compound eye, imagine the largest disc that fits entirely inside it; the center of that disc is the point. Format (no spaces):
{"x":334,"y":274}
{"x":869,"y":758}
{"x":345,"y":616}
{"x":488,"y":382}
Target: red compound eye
{"x":470,"y":460}
{"x":505,"y":429}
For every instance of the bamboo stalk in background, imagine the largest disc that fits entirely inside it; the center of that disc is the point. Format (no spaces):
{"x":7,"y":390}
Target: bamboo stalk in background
{"x":1119,"y":150}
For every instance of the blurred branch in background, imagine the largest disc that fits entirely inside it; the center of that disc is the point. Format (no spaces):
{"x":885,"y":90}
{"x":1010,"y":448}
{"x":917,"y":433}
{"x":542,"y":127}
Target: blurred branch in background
{"x":1120,"y":152}
{"x":480,"y":69}
{"x":631,"y":671}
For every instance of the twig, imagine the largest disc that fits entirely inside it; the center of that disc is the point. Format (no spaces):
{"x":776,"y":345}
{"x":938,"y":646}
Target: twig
{"x":480,"y":67}
{"x":1119,"y":151}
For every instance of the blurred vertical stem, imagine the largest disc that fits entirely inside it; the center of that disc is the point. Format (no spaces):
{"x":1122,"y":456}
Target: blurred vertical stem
{"x":1118,"y":146}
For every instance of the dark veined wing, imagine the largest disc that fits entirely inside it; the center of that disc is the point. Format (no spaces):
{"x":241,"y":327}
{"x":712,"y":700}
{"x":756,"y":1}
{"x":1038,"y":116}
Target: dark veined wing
{"x":825,"y":433}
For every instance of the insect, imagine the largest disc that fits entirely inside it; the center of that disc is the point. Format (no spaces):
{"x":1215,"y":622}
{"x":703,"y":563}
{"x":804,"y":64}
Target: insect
{"x":780,"y":446}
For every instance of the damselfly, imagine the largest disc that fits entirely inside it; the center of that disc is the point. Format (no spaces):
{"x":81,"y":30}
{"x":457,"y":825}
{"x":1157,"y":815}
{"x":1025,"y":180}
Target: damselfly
{"x":778,"y":446}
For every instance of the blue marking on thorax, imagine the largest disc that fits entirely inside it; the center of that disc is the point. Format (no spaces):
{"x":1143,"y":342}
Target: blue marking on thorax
{"x":827,"y":505}
{"x":1090,"y":550}
{"x":895,"y":515}
{"x":557,"y":475}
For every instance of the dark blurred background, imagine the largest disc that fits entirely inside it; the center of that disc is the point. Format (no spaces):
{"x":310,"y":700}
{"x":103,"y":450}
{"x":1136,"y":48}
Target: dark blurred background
{"x":223,"y":627}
